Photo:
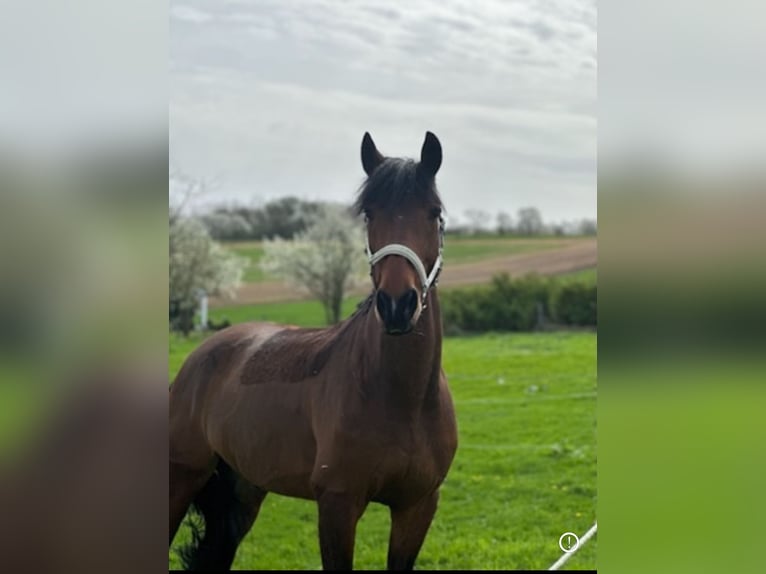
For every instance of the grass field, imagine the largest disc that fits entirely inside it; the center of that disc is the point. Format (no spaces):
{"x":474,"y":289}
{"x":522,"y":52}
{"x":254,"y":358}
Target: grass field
{"x":308,"y":313}
{"x":456,"y":250}
{"x":253,"y":252}
{"x":23,"y":406}
{"x":586,"y":275}
{"x":524,"y":473}
{"x":470,"y":249}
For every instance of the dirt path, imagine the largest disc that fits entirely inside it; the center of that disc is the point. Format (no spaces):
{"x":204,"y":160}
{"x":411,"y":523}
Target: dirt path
{"x":574,"y":256}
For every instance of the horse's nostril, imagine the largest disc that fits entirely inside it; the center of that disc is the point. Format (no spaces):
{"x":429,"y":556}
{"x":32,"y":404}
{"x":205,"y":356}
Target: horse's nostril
{"x":397,"y":314}
{"x":384,"y":304}
{"x":408,"y":304}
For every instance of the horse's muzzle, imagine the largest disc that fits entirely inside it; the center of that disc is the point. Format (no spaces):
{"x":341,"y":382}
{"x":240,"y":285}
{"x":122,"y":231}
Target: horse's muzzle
{"x":397,"y":314}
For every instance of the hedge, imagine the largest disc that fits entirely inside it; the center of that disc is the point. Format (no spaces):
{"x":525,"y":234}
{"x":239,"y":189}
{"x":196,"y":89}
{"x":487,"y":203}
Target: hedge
{"x":524,"y":304}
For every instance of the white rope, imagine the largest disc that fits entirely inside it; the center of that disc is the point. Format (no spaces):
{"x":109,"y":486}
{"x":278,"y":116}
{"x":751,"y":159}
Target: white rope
{"x":567,"y":555}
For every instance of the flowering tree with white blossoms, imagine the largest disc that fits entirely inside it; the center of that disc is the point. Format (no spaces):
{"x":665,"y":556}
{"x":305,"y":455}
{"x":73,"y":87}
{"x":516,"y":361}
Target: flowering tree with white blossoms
{"x":196,"y":262}
{"x":327,"y":259}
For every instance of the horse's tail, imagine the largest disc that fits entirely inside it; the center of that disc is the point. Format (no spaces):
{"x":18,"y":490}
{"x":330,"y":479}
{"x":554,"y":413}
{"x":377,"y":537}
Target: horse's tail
{"x":220,"y":516}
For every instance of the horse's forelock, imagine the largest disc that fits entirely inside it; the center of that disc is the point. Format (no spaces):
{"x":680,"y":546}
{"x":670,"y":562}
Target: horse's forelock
{"x":392,"y":183}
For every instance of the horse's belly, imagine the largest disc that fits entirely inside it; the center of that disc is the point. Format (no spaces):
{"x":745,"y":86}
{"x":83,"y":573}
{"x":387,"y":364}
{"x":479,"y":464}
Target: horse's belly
{"x":270,"y":442}
{"x":282,"y":458}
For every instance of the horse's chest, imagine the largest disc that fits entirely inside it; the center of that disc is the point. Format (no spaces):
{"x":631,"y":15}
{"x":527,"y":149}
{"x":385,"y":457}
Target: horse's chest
{"x":404,"y":473}
{"x":402,"y":463}
{"x":389,"y":460}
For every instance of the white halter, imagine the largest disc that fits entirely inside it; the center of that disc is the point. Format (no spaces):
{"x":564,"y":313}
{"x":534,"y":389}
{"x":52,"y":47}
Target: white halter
{"x":426,"y":280}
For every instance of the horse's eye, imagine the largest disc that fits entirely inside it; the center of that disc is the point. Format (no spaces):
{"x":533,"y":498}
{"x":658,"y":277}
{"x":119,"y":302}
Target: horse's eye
{"x":436,"y":212}
{"x":367,"y":215}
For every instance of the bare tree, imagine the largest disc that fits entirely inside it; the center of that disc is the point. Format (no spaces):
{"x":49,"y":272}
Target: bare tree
{"x":530,"y":221}
{"x":183,"y":190}
{"x":326,"y":260}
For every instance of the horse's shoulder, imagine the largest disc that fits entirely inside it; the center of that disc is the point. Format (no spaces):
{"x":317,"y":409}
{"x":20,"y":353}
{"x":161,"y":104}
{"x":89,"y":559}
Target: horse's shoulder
{"x":290,"y":354}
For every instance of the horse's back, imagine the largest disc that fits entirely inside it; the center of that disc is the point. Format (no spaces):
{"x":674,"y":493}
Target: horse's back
{"x":224,"y":350}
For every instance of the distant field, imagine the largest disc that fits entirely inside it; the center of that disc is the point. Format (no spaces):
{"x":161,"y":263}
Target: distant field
{"x":464,"y":249}
{"x":525,"y":470}
{"x":456,"y":250}
{"x":253,"y":252}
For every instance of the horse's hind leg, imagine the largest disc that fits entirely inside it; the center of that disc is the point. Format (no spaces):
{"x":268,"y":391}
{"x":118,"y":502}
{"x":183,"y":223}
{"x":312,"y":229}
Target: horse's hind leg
{"x":408,"y":531}
{"x":185,"y":484}
{"x":229,"y":505}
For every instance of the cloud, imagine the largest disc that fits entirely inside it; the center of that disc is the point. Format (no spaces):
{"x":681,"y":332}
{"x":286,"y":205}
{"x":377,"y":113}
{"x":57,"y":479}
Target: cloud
{"x":189,"y":14}
{"x":274,"y":98}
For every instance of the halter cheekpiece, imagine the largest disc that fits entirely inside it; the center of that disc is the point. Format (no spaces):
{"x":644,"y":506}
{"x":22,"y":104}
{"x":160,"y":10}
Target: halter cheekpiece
{"x":426,"y":279}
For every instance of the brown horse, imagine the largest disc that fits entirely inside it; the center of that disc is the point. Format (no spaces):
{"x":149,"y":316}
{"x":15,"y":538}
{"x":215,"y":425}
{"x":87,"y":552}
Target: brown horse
{"x":354,"y":413}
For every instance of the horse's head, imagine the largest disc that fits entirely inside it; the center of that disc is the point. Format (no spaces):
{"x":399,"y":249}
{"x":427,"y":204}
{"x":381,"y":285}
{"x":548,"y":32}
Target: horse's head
{"x":404,"y":231}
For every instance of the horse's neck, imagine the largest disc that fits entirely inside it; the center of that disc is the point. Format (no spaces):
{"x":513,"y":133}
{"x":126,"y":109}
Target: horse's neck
{"x":404,"y":370}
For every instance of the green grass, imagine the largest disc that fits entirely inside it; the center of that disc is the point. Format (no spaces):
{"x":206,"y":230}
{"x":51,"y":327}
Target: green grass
{"x":587,"y":275}
{"x":456,"y":250}
{"x":24,"y":404}
{"x":524,"y":473}
{"x":304,"y":313}
{"x":253,"y":252}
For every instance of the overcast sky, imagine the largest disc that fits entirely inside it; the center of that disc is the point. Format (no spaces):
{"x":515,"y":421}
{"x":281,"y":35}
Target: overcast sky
{"x":272,"y":98}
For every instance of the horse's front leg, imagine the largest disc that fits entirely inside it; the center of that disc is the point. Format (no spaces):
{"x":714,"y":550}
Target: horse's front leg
{"x":339,"y":513}
{"x":408,"y":531}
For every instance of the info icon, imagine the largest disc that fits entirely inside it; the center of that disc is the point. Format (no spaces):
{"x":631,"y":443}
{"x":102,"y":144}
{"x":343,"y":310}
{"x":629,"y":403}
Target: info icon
{"x":569,"y":542}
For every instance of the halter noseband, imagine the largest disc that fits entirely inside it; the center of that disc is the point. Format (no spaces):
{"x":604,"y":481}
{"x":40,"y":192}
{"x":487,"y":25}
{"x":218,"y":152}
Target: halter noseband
{"x":426,"y":280}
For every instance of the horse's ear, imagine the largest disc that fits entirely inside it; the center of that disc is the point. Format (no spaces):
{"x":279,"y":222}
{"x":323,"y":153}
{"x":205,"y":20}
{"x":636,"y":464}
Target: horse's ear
{"x":371,"y":157}
{"x":430,"y":155}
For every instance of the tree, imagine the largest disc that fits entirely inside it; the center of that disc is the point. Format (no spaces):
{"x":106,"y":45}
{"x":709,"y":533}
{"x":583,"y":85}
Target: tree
{"x":225,"y":225}
{"x":478,"y":219}
{"x":282,"y":217}
{"x":588,"y":227}
{"x":530,"y":221}
{"x":326,"y":259}
{"x":454,"y":226}
{"x":196,"y":262}
{"x":504,"y":223}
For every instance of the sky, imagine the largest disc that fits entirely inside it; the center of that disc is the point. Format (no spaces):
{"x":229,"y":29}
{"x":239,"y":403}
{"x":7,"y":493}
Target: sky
{"x":272,"y":98}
